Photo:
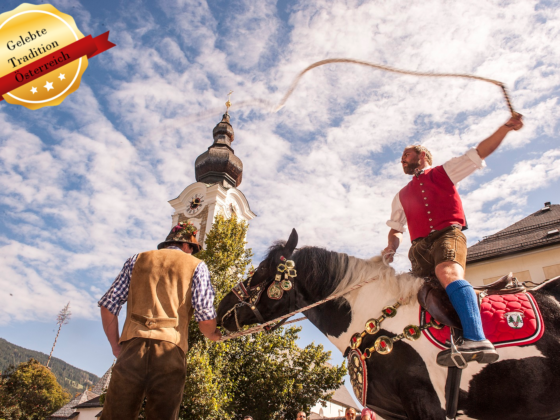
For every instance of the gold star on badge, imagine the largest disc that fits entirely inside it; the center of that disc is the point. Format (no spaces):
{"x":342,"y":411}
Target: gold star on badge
{"x":48,"y":86}
{"x":33,"y":90}
{"x":61,"y":77}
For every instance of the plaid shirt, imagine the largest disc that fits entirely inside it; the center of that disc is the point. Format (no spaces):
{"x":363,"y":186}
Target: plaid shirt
{"x":202,"y":291}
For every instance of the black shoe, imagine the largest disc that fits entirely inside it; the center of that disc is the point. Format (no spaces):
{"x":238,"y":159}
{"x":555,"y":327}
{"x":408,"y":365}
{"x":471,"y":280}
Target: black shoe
{"x":480,"y":351}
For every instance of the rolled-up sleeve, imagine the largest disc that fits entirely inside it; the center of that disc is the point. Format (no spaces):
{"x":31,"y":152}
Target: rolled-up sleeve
{"x":461,"y":167}
{"x":202,"y":294}
{"x":398,"y":218}
{"x":117,"y":295}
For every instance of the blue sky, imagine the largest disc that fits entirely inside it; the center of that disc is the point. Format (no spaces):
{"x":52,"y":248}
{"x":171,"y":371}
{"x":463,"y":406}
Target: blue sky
{"x":84,"y":185}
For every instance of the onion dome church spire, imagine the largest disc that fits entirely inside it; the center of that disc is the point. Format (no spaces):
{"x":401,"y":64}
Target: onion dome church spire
{"x":219,"y":163}
{"x":218,"y":174}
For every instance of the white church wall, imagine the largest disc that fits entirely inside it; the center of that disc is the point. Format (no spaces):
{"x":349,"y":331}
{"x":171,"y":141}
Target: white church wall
{"x":215,"y":199}
{"x":330,"y":410}
{"x":88,"y":413}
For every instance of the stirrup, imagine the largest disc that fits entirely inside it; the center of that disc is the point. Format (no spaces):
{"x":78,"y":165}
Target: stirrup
{"x":456,"y":355}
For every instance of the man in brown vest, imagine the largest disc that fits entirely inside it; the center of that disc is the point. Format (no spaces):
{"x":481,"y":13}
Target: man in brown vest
{"x":163,"y":288}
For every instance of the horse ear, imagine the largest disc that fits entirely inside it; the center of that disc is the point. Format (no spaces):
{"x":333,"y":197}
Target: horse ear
{"x":292,"y":243}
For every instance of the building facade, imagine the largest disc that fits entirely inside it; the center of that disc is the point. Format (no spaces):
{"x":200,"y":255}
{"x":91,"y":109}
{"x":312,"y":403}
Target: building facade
{"x":530,"y":249}
{"x":335,"y":407}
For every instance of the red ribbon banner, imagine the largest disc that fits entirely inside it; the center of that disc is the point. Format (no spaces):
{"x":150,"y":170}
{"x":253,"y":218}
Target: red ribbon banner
{"x":86,"y":46}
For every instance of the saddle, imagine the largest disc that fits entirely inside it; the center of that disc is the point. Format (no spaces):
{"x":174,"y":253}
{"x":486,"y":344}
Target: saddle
{"x":433,"y":298}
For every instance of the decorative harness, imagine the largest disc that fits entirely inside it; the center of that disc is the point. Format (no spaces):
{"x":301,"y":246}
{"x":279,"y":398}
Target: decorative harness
{"x":250,"y":296}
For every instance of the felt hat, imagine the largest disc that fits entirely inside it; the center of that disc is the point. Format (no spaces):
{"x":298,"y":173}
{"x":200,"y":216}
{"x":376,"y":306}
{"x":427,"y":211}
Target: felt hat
{"x":184,"y":232}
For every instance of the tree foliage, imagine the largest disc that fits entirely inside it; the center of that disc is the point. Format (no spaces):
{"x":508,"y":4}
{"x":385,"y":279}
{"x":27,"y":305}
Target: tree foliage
{"x":263,"y":375}
{"x":30,"y":391}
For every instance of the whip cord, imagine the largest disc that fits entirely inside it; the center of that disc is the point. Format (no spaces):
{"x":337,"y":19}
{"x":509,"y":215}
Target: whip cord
{"x":394,"y":70}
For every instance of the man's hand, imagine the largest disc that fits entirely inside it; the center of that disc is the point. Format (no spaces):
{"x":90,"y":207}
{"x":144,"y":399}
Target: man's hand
{"x":515,"y":123}
{"x":216,"y":335}
{"x":116,"y":350}
{"x":393,"y":242}
{"x":210,"y":330}
{"x":388,"y":253}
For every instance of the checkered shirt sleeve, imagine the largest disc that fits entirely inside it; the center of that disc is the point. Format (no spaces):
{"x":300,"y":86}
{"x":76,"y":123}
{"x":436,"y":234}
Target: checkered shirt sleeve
{"x":203,"y":294}
{"x":117,"y":295}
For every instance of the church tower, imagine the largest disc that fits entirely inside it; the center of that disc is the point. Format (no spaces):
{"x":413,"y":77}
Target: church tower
{"x":218,"y":175}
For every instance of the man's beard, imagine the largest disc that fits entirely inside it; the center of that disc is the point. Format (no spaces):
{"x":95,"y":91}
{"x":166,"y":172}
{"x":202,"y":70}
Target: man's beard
{"x":410,"y":167}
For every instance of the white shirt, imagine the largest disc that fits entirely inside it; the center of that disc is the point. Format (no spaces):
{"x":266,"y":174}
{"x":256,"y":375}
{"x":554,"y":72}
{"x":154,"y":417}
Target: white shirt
{"x":457,"y":169}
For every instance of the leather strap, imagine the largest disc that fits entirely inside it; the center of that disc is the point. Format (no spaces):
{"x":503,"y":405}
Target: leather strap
{"x":154,"y":323}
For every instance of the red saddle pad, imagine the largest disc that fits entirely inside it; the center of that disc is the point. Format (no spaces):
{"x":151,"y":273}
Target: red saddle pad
{"x":508,"y":320}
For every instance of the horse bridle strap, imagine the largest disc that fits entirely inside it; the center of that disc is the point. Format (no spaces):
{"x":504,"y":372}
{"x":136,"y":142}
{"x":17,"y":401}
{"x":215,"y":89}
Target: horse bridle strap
{"x":283,"y":318}
{"x":248,"y":298}
{"x":282,"y":282}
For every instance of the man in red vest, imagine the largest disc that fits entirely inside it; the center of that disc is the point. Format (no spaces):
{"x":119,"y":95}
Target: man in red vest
{"x":431,"y":208}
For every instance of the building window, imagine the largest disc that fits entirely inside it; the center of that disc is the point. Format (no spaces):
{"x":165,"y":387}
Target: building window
{"x":551,"y":271}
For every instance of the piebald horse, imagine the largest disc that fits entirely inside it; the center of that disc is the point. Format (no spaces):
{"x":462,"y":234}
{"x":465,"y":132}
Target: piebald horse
{"x":406,"y":383}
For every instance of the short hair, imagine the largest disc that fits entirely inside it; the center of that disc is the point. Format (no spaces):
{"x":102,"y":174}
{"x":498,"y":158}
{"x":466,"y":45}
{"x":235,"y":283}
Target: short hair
{"x":419,"y":149}
{"x":350,"y":408}
{"x":177,"y":244}
{"x":247,"y":418}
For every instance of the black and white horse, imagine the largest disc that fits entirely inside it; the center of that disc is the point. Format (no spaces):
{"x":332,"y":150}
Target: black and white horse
{"x":407,"y":383}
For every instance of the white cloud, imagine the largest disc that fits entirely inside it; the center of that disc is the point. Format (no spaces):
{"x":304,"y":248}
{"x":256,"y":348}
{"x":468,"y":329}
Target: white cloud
{"x":85,"y":184}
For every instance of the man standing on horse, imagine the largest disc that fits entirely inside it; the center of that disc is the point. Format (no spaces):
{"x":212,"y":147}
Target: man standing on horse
{"x":431,"y":208}
{"x":163,"y":289}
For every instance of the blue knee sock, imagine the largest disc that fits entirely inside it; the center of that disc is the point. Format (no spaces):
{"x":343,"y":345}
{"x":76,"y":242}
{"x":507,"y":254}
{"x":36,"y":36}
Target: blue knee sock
{"x":464,"y":301}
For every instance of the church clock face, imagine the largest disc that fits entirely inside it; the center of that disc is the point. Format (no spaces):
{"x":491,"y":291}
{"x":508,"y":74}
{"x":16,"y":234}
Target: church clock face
{"x":195,"y":204}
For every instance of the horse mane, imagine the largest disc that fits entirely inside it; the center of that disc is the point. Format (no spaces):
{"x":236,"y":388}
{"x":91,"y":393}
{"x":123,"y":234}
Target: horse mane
{"x":322,"y":269}
{"x":329,"y":272}
{"x":404,"y":286}
{"x":269,"y":260}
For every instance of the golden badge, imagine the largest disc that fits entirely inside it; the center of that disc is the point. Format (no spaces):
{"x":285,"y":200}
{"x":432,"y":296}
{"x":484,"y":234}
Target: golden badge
{"x":43,"y":55}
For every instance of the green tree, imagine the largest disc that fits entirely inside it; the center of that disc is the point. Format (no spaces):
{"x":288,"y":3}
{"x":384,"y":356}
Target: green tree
{"x":30,"y":391}
{"x":264,"y":375}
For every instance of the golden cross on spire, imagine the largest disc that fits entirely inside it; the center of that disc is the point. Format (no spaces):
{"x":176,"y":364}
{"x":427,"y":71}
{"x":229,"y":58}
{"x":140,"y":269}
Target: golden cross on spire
{"x":228,"y":103}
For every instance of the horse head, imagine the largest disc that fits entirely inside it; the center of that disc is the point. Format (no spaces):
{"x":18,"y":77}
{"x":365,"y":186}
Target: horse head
{"x":266,"y":294}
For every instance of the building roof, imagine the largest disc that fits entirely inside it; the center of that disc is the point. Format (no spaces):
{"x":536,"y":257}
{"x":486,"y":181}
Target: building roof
{"x":94,"y":402}
{"x":537,"y":230}
{"x":68,"y":411}
{"x":219,"y":163}
{"x":103,"y":383}
{"x":342,"y":397}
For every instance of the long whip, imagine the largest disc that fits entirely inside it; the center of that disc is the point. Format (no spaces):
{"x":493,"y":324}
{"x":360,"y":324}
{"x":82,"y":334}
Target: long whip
{"x":394,"y":70}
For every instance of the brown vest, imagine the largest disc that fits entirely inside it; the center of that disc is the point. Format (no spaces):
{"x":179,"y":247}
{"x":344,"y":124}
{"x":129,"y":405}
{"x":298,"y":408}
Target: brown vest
{"x":159,"y":298}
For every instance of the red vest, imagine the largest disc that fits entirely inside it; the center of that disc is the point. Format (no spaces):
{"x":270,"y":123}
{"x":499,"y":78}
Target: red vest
{"x":431,"y":202}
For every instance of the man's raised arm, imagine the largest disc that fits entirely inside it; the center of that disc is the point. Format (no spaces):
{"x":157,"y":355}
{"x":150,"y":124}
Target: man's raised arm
{"x":486,"y":147}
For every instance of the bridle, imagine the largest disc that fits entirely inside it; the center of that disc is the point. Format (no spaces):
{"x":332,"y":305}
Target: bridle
{"x":250,"y":295}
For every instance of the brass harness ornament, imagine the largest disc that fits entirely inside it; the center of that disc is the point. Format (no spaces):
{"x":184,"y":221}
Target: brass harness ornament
{"x":278,"y":286}
{"x":384,"y":344}
{"x":250,"y":296}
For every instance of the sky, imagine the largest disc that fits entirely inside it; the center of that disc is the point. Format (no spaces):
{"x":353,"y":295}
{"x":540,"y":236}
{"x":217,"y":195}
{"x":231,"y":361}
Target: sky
{"x":86,"y":184}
